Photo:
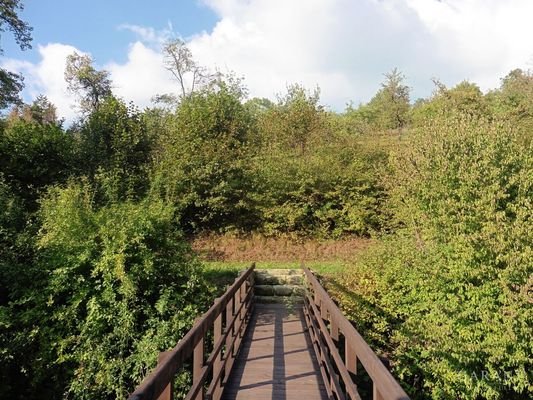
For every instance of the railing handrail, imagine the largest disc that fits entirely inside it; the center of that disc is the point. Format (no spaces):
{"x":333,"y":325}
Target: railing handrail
{"x":158,"y":380}
{"x":384,"y":383}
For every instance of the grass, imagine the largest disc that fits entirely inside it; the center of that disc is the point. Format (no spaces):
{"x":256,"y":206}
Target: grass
{"x":321,"y":267}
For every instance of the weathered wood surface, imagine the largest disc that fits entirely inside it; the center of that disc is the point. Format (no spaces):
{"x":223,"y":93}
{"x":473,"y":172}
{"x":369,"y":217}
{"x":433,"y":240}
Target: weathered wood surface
{"x":276,"y":359}
{"x":326,"y":325}
{"x":237,"y":305}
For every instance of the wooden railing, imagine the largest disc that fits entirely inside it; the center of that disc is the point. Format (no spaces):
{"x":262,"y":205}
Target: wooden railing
{"x":227,"y":319}
{"x":326,"y":325}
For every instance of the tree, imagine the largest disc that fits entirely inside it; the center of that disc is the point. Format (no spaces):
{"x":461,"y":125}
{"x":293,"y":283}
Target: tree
{"x":41,"y":111}
{"x":114,"y":141}
{"x":296,"y":120}
{"x":514,"y":100}
{"x":33,"y":156}
{"x":206,"y":160}
{"x":89,"y":84}
{"x":179,"y":61}
{"x":464,"y":99}
{"x":259,"y":105}
{"x":10,"y":83}
{"x":391,"y":102}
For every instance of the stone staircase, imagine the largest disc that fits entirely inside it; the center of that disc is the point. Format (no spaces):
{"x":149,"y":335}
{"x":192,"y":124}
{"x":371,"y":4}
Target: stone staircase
{"x":279,"y":286}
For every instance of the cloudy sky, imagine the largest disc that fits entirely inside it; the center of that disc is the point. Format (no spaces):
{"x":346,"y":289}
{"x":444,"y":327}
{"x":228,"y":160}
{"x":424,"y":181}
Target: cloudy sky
{"x":343,"y":46}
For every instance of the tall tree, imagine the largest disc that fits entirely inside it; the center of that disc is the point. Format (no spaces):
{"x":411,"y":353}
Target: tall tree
{"x":391,"y":102}
{"x":514,"y":100}
{"x":185,"y":70}
{"x":296,"y":120}
{"x":10,"y":83}
{"x":89,"y":84}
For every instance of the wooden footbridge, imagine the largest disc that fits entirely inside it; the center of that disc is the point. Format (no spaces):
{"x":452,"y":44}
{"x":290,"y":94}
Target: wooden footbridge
{"x":273,"y":335}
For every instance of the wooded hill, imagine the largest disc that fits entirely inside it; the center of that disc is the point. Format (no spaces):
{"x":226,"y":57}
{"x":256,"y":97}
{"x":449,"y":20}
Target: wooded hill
{"x":96,"y":274}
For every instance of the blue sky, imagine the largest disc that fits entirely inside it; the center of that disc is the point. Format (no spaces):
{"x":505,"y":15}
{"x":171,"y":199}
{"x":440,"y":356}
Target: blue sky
{"x":94,"y":25}
{"x":342,"y":46}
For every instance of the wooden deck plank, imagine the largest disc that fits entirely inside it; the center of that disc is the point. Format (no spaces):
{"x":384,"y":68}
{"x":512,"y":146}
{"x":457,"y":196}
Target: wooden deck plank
{"x":276,"y":360}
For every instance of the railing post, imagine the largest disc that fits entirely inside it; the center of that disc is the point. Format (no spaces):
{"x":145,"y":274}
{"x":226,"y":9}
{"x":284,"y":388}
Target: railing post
{"x":334,"y":329}
{"x":242,"y":299}
{"x":350,"y":357}
{"x":167,"y":394}
{"x":229,"y":351}
{"x":323,"y":310}
{"x":238,"y":321}
{"x":198,"y":363}
{"x":217,"y":363}
{"x":376,"y":395}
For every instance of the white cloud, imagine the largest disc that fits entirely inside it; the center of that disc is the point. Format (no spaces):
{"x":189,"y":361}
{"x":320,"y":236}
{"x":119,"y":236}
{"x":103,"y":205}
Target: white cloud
{"x":47,"y":77}
{"x":344,"y":46}
{"x":480,"y":39}
{"x":149,"y":35}
{"x":142,"y":76}
{"x":138,"y":79}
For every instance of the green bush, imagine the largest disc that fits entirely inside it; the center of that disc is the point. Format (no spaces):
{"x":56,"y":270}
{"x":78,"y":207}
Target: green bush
{"x":122,"y":286}
{"x":33,"y":156}
{"x":449,"y":296}
{"x":331,"y":192}
{"x":204,"y":165}
{"x":313,"y":180}
{"x":113,"y":142}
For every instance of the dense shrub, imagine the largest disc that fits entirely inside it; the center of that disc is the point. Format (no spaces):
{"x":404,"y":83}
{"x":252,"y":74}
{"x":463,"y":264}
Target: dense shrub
{"x":312,"y":179}
{"x":33,"y":156}
{"x":114,"y":143}
{"x":204,"y":164}
{"x":463,"y":99}
{"x":122,"y":286}
{"x":449,"y":295}
{"x":331,"y":192}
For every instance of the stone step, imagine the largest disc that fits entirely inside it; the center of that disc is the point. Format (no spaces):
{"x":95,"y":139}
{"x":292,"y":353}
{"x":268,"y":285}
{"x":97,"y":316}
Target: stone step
{"x":280,"y":271}
{"x":278,"y":290}
{"x":288,"y":300}
{"x":279,"y":277}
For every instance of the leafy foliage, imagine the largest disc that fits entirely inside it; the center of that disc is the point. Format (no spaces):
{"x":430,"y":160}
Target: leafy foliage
{"x":41,"y":111}
{"x":20,"y":29}
{"x":313,"y":180}
{"x":514,"y":101}
{"x":205,"y":162}
{"x":34,"y":155}
{"x":122,"y":286}
{"x":389,"y":108}
{"x":89,"y":84}
{"x":449,"y":295}
{"x":464,"y":98}
{"x":10,"y":83}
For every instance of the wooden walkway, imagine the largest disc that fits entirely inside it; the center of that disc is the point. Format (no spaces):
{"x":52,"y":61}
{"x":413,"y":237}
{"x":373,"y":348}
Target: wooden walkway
{"x":243,"y":347}
{"x":276,"y":359}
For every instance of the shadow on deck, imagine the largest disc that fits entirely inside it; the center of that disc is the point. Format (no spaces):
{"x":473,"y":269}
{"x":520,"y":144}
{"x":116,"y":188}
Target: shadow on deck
{"x":276,"y":359}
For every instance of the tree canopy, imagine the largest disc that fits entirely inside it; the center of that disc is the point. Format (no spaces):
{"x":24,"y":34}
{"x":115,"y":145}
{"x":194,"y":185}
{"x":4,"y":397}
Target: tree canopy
{"x":11,"y":83}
